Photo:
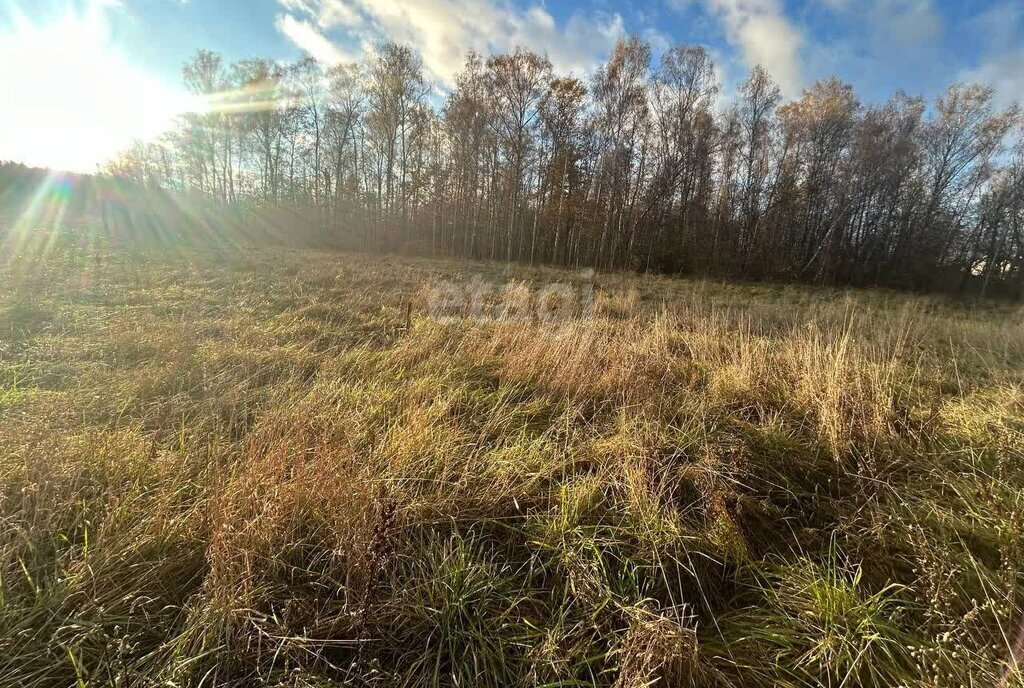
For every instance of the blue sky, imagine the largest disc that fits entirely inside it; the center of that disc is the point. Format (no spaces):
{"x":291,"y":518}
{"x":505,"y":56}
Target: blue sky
{"x":880,"y":46}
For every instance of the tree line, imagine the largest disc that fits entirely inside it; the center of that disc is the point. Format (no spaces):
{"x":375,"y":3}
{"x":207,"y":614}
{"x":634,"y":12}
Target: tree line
{"x":642,"y":165}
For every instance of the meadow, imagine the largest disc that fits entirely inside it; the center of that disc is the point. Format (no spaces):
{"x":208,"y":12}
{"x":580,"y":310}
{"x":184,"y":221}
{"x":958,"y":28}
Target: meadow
{"x":274,"y":467}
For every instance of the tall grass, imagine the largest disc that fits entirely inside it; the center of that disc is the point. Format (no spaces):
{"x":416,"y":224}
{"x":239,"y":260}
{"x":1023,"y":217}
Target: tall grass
{"x":265,"y":468}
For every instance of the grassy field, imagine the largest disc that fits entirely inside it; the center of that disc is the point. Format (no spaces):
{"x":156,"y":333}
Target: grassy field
{"x":277,"y":468}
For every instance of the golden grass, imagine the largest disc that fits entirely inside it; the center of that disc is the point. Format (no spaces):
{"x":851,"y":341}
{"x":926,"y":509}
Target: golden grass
{"x":247,"y":469}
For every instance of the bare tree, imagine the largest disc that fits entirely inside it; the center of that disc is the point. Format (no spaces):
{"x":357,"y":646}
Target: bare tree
{"x":518,"y":81}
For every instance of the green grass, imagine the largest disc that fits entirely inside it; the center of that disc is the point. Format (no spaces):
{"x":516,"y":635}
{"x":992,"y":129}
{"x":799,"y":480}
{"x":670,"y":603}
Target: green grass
{"x":246,"y":469}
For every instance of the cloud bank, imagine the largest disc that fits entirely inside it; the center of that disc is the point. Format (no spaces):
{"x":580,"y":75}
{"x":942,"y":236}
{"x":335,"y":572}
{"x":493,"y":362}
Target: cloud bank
{"x":881,"y":45}
{"x":442,"y":31}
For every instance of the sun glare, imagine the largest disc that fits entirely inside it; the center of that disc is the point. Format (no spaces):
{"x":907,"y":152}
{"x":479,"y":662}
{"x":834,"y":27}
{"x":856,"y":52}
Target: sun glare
{"x":72,"y":100}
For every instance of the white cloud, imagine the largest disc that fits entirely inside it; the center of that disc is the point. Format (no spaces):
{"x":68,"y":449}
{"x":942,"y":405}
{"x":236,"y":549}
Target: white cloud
{"x":761,"y":30}
{"x":898,"y":36}
{"x":443,"y":31}
{"x":1003,"y":72}
{"x":309,"y":39}
{"x":904,"y":24}
{"x":337,"y":13}
{"x":297,"y":5}
{"x":1002,"y":65}
{"x":660,"y":41}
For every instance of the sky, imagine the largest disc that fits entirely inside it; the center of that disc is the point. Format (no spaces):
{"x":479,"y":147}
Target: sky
{"x":81,"y":79}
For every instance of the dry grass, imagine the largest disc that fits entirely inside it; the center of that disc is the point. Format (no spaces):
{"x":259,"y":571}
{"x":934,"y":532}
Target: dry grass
{"x":244,"y":469}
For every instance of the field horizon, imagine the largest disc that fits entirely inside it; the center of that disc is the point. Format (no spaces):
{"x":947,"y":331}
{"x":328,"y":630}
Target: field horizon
{"x":284,"y":467}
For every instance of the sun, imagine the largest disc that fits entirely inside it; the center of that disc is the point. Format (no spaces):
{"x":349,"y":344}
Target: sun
{"x":72,"y":100}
